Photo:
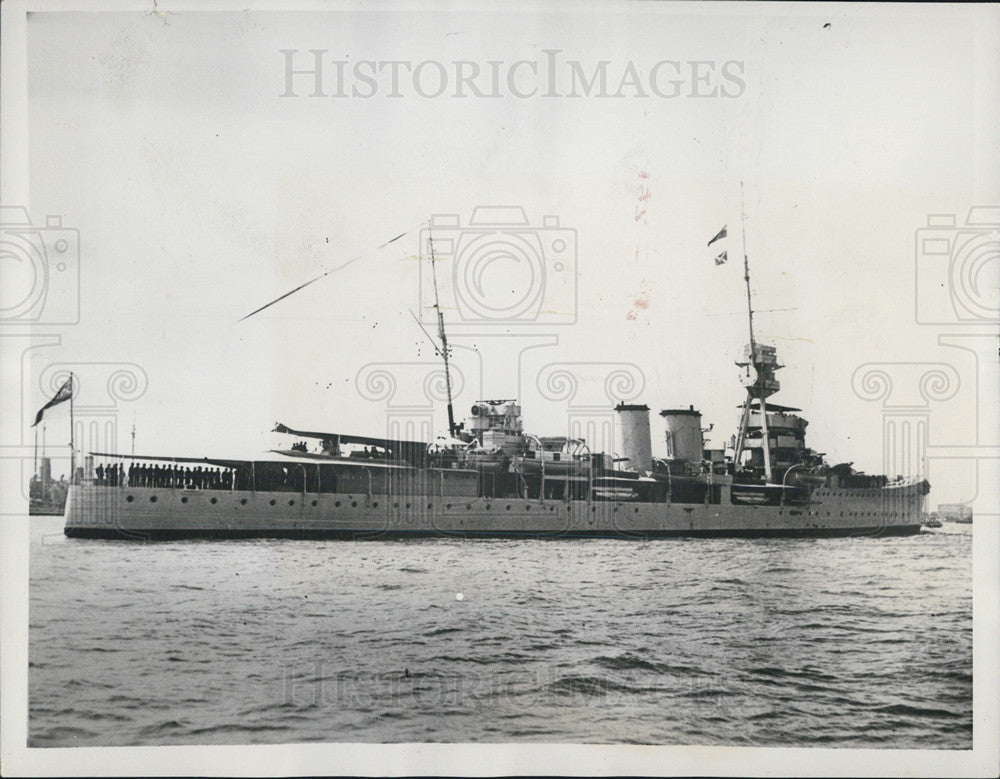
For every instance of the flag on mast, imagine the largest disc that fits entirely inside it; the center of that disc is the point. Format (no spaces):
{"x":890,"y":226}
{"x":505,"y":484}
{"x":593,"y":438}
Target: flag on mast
{"x":719,"y":235}
{"x":64,"y":393}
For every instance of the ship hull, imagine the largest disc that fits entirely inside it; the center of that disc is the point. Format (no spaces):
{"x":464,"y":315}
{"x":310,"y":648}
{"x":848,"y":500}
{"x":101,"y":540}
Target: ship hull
{"x":142,"y":513}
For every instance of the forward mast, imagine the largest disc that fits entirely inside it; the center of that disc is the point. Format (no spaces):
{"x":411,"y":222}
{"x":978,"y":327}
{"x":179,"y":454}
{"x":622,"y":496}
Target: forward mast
{"x":764,"y":360}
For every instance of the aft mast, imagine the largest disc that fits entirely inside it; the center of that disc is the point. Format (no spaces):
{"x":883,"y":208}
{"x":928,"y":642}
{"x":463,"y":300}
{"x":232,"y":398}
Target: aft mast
{"x":443,"y":351}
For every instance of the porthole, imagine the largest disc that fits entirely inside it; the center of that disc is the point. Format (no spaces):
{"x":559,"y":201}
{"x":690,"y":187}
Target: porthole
{"x":152,"y":499}
{"x":314,"y":502}
{"x":336,"y":504}
{"x":508,"y":507}
{"x":129,"y":498}
{"x":637,"y":510}
{"x":354,"y":504}
{"x":430,"y":506}
{"x":184,"y":499}
{"x":409,"y":505}
{"x":243,"y":501}
{"x":447,"y":507}
{"x":273,"y":501}
{"x":291,"y":503}
{"x":213,"y":501}
{"x":375,"y":505}
{"x":527,"y":507}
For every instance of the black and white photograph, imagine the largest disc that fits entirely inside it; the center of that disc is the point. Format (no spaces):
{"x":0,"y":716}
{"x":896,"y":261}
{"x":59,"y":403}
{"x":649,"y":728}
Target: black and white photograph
{"x":487,"y":389}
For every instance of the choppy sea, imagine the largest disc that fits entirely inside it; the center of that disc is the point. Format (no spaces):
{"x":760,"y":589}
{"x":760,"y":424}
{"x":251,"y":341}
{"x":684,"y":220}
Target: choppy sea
{"x":837,"y":642}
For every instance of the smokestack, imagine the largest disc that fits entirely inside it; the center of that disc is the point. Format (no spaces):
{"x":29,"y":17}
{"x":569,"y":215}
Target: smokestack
{"x":633,"y":427}
{"x":684,"y":437}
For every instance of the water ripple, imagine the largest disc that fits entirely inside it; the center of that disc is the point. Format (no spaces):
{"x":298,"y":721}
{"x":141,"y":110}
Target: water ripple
{"x":842,"y":642}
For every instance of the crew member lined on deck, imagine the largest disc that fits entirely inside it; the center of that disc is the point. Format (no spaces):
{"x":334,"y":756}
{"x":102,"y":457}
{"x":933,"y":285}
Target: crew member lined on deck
{"x":146,"y":475}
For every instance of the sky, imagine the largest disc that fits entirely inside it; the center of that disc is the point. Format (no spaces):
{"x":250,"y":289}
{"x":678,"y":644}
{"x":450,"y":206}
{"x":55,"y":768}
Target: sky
{"x":202,"y":188}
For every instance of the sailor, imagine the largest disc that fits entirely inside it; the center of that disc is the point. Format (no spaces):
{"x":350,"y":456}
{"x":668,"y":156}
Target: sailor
{"x":100,"y":473}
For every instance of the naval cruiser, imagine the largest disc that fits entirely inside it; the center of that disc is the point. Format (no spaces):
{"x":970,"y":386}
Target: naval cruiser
{"x":488,"y":478}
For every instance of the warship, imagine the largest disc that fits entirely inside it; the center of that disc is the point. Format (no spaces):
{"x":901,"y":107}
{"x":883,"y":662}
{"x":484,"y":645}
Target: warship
{"x":488,"y":478}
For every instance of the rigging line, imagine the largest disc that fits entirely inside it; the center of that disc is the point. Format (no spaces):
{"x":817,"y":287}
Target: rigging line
{"x":320,"y":276}
{"x":437,"y":349}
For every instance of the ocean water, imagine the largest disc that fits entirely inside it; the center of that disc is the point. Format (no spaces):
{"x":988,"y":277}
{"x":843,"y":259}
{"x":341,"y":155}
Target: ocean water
{"x":833,"y":642}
